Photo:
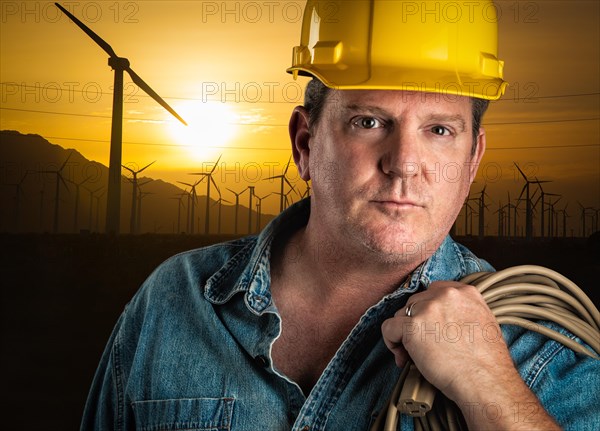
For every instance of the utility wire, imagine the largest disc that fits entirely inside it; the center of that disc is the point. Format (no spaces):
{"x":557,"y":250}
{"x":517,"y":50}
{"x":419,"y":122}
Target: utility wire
{"x":503,"y":99}
{"x":228,"y":147}
{"x":564,"y":120}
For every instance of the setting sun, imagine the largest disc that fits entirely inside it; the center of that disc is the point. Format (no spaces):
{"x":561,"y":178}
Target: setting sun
{"x":211,"y":126}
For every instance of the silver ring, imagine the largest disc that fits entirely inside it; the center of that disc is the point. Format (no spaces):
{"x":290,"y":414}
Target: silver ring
{"x":409,"y":309}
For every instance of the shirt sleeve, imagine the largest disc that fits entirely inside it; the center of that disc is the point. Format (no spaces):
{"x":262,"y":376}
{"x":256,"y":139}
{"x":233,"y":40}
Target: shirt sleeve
{"x":565,"y":382}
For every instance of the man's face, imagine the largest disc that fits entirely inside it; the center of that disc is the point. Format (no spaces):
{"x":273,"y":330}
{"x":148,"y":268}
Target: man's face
{"x":391,"y":169}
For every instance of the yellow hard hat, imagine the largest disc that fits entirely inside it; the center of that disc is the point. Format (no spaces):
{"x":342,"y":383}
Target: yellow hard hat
{"x":447,"y":47}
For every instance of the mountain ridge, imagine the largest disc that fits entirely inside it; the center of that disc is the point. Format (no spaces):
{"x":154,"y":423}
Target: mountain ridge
{"x":28,"y":184}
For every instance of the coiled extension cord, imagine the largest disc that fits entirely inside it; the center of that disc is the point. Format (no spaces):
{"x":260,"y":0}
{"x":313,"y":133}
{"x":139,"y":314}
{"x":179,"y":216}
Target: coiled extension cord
{"x":517,"y":296}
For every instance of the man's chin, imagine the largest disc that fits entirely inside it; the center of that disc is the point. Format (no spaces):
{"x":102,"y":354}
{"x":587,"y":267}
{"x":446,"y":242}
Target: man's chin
{"x":399,"y":248}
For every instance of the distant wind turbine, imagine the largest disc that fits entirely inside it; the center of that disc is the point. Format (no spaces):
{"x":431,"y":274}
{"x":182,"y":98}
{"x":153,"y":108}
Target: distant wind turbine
{"x":528,"y":203}
{"x":18,"y":192}
{"x":209,"y":179}
{"x":481,"y":205}
{"x":283,"y":178}
{"x":119,"y":65}
{"x":220,"y":203}
{"x":132,"y":221}
{"x":59,"y":179}
{"x":237,"y":207}
{"x":250,"y":196}
{"x":76,"y":211}
{"x":92,"y":193}
{"x":259,"y":209}
{"x":193,"y":199}
{"x":140,"y":196}
{"x":179,"y":205}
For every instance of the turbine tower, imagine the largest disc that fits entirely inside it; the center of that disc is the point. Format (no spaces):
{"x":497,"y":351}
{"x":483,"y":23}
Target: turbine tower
{"x":237,"y":207}
{"x":119,"y":65}
{"x":283,"y":178}
{"x":209,"y":179}
{"x":529,"y":206}
{"x":76,"y":210}
{"x":193,"y":198}
{"x":59,"y":179}
{"x":132,"y":221}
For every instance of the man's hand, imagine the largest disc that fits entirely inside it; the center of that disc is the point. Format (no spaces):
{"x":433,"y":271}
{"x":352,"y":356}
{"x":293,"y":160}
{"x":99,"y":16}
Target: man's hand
{"x":456,"y":343}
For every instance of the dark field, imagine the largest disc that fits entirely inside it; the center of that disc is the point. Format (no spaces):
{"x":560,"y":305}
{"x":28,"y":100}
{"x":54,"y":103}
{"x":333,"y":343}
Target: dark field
{"x":62,"y":294}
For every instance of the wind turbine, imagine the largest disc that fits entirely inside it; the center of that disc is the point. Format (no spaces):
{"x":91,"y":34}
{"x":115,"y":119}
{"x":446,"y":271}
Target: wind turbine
{"x":141,"y":195}
{"x":564,"y":220}
{"x":481,"y":209}
{"x":250,"y":195}
{"x":259,"y":209}
{"x":528,"y":203}
{"x":76,"y":211}
{"x":283,"y":178}
{"x":193,"y":198}
{"x":552,"y":222}
{"x":210,"y":179}
{"x":59,"y":179}
{"x":119,"y":65}
{"x":237,"y":206}
{"x":543,"y":195}
{"x":92,"y":193}
{"x":133,"y":219}
{"x":18,"y":192}
{"x":584,"y":211}
{"x":179,"y":205}
{"x":220,"y":203}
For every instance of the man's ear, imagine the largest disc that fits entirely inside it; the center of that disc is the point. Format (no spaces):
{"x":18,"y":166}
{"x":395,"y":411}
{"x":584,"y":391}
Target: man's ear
{"x":477,"y":155}
{"x":300,"y":137}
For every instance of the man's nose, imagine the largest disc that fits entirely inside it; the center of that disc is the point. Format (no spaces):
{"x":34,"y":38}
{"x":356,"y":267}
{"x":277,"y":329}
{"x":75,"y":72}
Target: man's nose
{"x":402,"y":155}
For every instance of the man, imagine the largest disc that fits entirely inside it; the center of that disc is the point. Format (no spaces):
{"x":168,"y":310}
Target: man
{"x":304,"y":327}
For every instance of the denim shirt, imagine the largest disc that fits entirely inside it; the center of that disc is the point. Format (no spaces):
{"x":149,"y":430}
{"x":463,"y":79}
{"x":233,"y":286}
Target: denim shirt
{"x":192,"y":351}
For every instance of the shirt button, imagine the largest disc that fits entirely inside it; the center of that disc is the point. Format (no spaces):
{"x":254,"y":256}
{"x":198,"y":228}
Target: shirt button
{"x":305,"y":428}
{"x":262,"y":361}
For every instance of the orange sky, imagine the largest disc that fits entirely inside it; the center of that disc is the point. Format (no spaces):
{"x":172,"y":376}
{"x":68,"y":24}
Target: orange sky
{"x":221,"y":65}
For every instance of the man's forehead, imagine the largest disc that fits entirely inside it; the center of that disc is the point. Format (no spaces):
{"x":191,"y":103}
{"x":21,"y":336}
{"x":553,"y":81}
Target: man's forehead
{"x":389,"y":101}
{"x":377,"y":97}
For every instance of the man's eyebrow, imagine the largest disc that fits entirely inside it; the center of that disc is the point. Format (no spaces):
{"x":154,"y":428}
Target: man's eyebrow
{"x":455,"y":119}
{"x":368,"y":109}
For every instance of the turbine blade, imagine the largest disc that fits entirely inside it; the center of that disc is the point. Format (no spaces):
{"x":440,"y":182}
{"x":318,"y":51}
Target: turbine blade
{"x":148,"y":165}
{"x":103,"y":44}
{"x":287,"y":166}
{"x":129,"y":169}
{"x":215,"y":184}
{"x":521,"y":172}
{"x":62,"y":180}
{"x":65,"y":162}
{"x":216,"y":164}
{"x":150,"y":92}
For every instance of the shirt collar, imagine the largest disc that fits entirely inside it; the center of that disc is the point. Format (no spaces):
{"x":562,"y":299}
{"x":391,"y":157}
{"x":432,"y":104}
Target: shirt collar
{"x":249,"y":270}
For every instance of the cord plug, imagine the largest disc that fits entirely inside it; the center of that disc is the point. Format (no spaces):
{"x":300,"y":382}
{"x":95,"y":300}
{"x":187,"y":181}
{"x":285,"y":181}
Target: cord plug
{"x":417,"y":395}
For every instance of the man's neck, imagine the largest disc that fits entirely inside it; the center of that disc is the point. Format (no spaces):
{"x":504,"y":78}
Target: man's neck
{"x":326,"y":270}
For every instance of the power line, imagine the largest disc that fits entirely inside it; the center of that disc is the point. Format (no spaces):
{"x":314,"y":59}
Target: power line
{"x":205,"y":99}
{"x":280,"y":125}
{"x":154,"y":144}
{"x":227,"y":147}
{"x":35,"y":111}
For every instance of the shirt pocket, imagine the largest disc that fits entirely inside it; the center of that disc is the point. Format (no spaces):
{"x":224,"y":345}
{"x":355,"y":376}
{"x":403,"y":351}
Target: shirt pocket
{"x":194,"y":414}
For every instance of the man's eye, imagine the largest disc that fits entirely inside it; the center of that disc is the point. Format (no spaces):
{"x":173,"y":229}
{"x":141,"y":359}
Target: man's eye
{"x":368,"y":123}
{"x":440,"y":130}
